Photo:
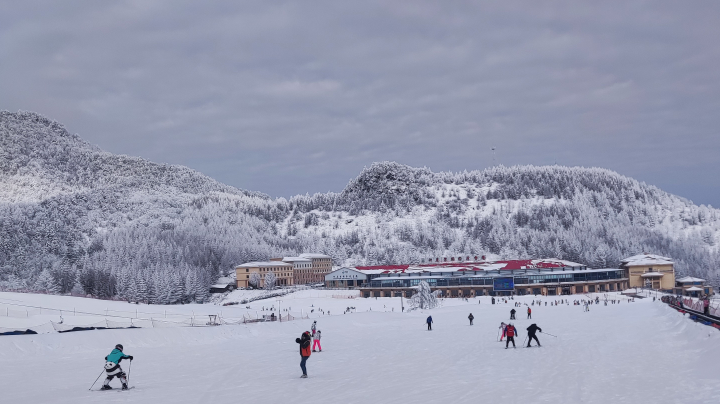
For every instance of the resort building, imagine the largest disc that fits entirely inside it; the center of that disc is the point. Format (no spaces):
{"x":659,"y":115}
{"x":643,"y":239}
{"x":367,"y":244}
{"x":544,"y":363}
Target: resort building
{"x":690,"y":286}
{"x":346,"y":278}
{"x":650,"y":271}
{"x":548,"y":277}
{"x":302,"y":268}
{"x":321,"y":265}
{"x":282,"y":270}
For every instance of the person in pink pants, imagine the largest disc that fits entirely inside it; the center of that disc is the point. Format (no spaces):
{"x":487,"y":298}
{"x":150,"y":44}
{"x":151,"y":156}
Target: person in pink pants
{"x":317,"y":341}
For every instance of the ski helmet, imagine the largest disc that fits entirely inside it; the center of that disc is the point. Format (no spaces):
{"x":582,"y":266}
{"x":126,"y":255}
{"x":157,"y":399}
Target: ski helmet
{"x":119,"y":346}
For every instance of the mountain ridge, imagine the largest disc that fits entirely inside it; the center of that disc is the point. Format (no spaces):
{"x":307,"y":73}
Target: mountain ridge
{"x":78,"y":218}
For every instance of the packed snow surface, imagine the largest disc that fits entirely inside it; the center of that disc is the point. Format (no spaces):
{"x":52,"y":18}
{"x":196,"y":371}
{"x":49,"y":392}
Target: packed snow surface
{"x":631,"y":352}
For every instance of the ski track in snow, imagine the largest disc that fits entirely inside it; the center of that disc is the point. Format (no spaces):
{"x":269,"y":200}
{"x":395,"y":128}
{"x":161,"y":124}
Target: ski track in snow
{"x":641,"y":352}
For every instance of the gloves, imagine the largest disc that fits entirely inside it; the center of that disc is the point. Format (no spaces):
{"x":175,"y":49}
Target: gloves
{"x":130,"y":357}
{"x":297,"y":340}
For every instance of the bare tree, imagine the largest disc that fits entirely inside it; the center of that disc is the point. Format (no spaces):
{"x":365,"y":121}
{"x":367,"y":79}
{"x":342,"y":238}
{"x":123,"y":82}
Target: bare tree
{"x":254,"y":280}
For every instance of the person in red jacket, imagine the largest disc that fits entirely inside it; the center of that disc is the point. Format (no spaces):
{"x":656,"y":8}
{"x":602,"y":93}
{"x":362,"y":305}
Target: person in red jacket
{"x":304,"y":342}
{"x":529,"y":312}
{"x":510,"y":332}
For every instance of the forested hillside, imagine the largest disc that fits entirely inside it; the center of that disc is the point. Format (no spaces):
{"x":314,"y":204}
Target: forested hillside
{"x":75,"y":218}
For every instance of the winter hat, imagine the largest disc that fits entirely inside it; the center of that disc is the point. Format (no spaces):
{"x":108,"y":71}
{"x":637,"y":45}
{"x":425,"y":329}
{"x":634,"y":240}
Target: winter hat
{"x":119,"y":346}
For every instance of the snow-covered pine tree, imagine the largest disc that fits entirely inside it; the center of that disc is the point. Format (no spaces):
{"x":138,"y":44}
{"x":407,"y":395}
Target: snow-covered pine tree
{"x":191,"y":286}
{"x":177,"y":288}
{"x":424,"y":298}
{"x":131,"y":292}
{"x":143,"y":292}
{"x":270,"y":280}
{"x":46,"y":283}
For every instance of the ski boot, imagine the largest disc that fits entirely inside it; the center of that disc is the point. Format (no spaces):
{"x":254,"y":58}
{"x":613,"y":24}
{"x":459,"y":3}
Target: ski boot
{"x":125,"y":386}
{"x":105,"y":387}
{"x":303,"y":377}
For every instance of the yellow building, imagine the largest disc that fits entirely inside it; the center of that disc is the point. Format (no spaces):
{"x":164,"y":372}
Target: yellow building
{"x":648,"y":270}
{"x":283,"y":271}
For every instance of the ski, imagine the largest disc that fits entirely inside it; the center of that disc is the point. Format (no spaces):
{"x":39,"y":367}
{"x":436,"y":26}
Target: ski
{"x":117,"y":390}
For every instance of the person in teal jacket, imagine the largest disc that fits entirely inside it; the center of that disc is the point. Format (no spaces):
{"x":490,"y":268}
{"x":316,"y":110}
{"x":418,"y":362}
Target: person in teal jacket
{"x":113,"y":369}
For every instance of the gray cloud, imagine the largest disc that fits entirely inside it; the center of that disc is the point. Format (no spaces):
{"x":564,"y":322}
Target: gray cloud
{"x":295,"y":97}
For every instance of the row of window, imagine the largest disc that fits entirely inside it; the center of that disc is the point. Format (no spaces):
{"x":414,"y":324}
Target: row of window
{"x":550,"y":291}
{"x":529,"y":280}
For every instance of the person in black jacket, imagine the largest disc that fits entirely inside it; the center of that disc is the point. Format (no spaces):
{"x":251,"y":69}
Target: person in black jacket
{"x":531,"y":334}
{"x":512,"y":314}
{"x":304,"y":342}
{"x":471,"y":318}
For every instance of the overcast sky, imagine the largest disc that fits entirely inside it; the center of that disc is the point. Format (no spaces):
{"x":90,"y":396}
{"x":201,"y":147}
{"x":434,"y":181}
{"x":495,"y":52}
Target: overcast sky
{"x":296,"y":97}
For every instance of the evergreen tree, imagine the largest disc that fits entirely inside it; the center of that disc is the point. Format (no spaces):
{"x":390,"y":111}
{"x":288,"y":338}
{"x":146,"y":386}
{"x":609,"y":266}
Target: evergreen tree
{"x":424,"y":298}
{"x":46,"y":283}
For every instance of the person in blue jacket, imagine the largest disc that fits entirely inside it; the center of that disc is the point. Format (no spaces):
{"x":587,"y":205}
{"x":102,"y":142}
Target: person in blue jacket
{"x":113,"y":369}
{"x":429,"y":323}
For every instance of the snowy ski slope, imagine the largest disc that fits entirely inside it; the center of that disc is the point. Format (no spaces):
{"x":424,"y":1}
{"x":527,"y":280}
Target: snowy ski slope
{"x":639,"y":352}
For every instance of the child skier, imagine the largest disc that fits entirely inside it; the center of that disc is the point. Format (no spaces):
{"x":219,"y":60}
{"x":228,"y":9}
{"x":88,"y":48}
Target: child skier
{"x":112,"y":367}
{"x":317,"y":341}
{"x":429,"y":323}
{"x":471,"y":318}
{"x":529,"y":313}
{"x":304,"y":342}
{"x":503,"y":329}
{"x":511,"y":332}
{"x":512,"y":314}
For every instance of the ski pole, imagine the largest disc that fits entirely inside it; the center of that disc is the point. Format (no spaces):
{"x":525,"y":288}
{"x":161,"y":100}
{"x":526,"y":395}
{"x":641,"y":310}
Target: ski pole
{"x":550,"y":334}
{"x":129,"y":367}
{"x":98,"y":378}
{"x":524,"y":340}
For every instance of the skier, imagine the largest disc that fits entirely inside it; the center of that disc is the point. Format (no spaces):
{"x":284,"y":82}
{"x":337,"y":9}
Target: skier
{"x":313,"y":327}
{"x":429,"y":323}
{"x":112,"y":367}
{"x":512,"y":314}
{"x":529,"y":313}
{"x":493,"y":300}
{"x":503,"y":328}
{"x":531,"y":334}
{"x":471,"y":317}
{"x":317,"y":341}
{"x":510,"y":331}
{"x":304,"y":342}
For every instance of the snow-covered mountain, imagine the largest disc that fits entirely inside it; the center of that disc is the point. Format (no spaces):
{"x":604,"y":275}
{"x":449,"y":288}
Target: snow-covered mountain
{"x":75,"y":217}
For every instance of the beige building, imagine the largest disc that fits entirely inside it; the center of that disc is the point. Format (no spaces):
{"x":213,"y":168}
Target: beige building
{"x":308,"y":268}
{"x":301,"y":268}
{"x":282,"y":270}
{"x":648,"y":270}
{"x":321,"y":266}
